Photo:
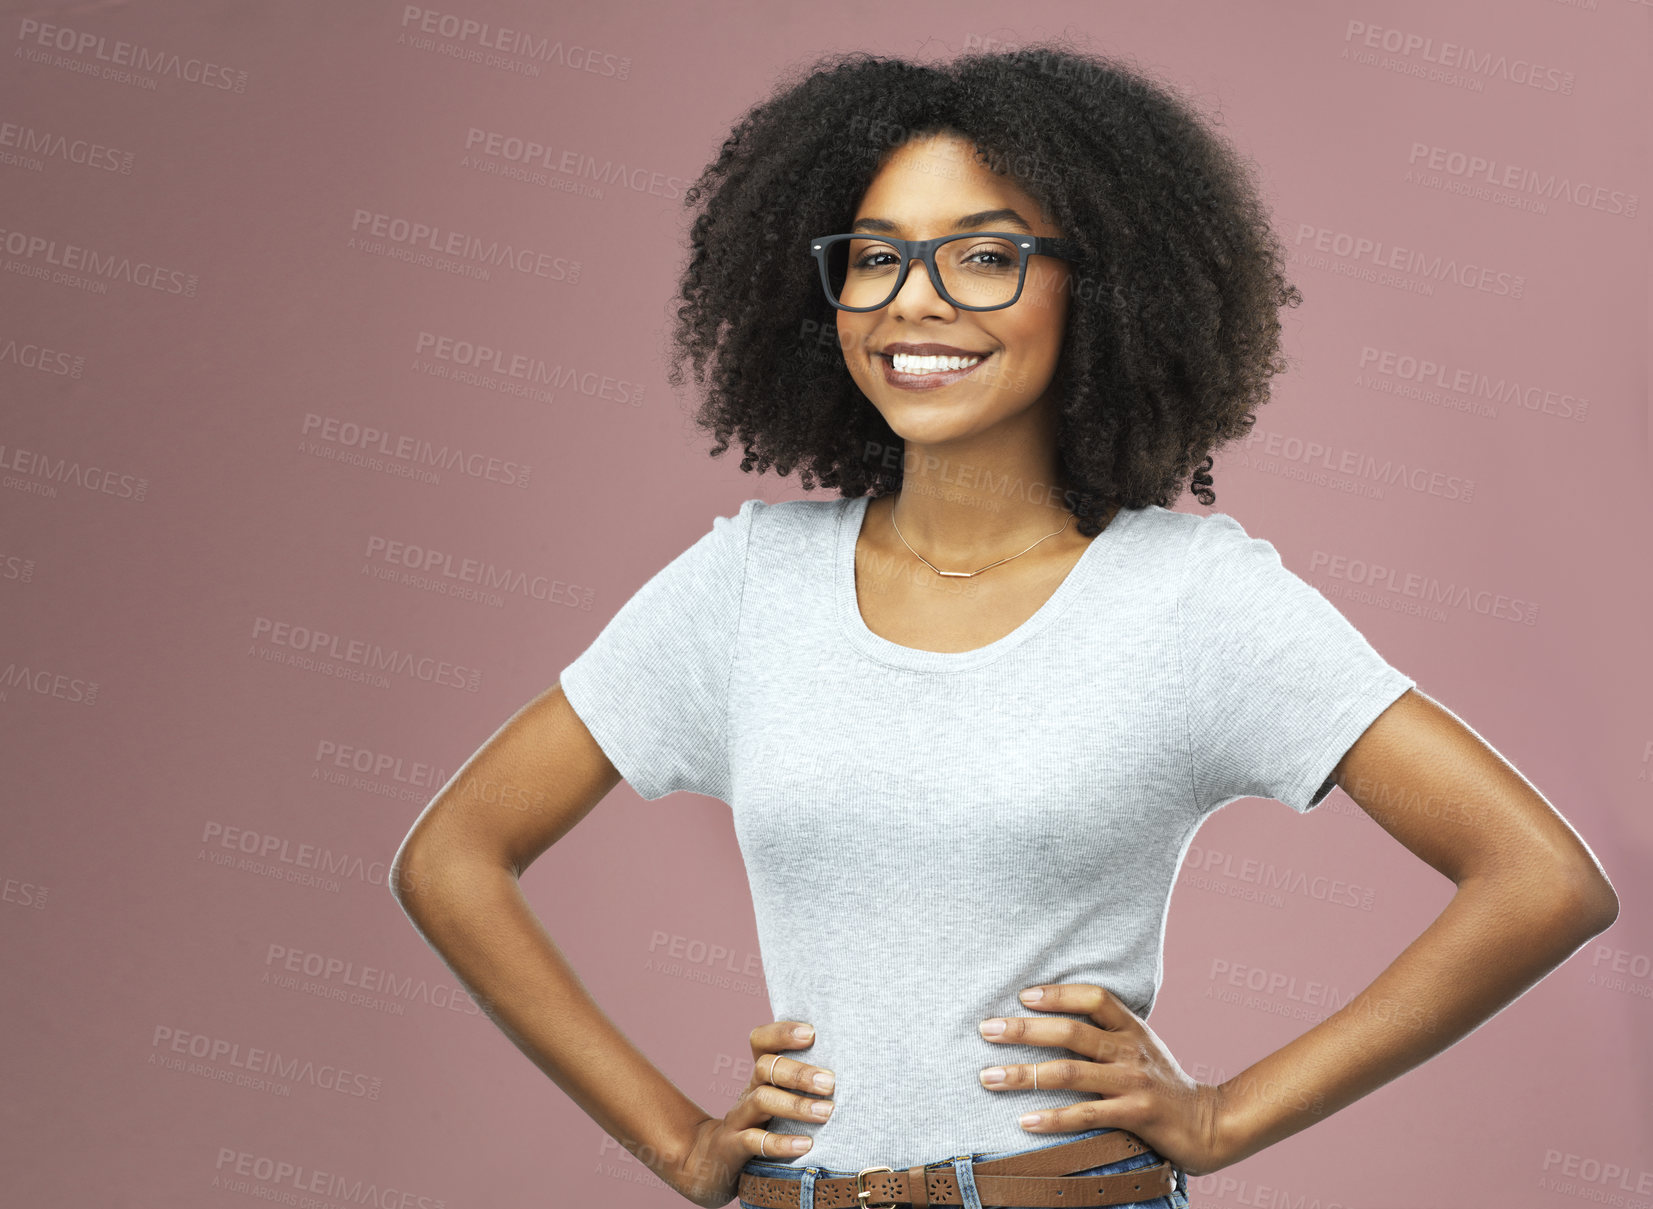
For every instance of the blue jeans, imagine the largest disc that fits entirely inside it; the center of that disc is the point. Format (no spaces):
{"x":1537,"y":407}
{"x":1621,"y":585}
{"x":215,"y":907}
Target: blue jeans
{"x":963,"y":1170}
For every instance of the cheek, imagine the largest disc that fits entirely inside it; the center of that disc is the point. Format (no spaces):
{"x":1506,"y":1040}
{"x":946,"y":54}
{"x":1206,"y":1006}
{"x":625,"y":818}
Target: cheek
{"x":851,"y":337}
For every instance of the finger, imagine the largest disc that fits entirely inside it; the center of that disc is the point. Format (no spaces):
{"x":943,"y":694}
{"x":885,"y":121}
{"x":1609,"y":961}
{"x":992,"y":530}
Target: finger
{"x":773,"y":1145}
{"x":1080,"y":1036}
{"x":765,"y":1101}
{"x":1070,"y":1074}
{"x":1081,"y":998}
{"x":1087,"y":1114}
{"x":789,"y":1072}
{"x":779,"y":1035}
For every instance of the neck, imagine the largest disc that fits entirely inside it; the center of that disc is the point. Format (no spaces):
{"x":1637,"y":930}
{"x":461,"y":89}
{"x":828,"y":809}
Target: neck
{"x":960,"y":513}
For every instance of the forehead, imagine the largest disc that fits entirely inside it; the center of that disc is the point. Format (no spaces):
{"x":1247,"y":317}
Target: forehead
{"x":934,"y":179}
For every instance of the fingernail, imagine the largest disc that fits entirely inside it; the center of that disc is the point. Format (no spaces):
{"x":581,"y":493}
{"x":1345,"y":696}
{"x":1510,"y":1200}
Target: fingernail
{"x":992,"y":1075}
{"x":822,"y":1082}
{"x":803,"y":1032}
{"x":1031,"y":1118}
{"x":801,"y":1144}
{"x":1032,"y":994}
{"x":992,"y":1028}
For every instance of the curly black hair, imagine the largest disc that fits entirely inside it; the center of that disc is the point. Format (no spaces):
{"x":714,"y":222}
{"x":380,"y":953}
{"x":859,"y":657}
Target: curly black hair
{"x":1172,"y":331}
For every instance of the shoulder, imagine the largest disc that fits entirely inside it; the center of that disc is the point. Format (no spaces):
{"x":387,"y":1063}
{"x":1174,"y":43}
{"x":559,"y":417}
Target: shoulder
{"x":759,"y":513}
{"x":1211,"y":557}
{"x":789,"y":526}
{"x":1211,"y":528}
{"x":1216,"y":540}
{"x":1165,"y":542}
{"x":764,"y":540}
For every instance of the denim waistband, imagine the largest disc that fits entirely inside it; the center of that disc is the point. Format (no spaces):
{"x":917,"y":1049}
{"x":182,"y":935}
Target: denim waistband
{"x":963,"y":1163}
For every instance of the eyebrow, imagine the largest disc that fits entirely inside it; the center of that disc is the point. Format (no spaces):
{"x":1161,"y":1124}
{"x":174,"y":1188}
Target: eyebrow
{"x":980,"y":220}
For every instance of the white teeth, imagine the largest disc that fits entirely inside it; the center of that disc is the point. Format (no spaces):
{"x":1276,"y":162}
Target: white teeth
{"x":906,"y":363}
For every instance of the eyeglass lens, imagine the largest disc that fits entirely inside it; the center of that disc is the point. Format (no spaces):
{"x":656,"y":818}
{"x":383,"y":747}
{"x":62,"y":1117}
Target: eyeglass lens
{"x":976,"y":270}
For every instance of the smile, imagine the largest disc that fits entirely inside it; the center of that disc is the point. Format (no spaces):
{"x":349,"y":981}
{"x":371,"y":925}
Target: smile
{"x":908,"y":363}
{"x":911,"y":372}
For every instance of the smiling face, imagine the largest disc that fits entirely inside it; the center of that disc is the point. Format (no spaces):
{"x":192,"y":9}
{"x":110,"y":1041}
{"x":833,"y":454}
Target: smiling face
{"x":936,"y":186}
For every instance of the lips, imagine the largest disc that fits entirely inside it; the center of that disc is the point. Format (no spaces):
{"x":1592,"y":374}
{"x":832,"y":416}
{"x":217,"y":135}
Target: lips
{"x":929,"y":350}
{"x":928,"y":372}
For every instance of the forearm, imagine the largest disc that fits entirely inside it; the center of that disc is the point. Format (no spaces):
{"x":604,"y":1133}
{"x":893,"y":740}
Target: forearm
{"x":1492,"y":942}
{"x":476,"y":917}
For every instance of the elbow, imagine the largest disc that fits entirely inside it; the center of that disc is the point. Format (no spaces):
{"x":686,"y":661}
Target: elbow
{"x":403,"y":877}
{"x":1590,"y":904}
{"x":1605,"y":909}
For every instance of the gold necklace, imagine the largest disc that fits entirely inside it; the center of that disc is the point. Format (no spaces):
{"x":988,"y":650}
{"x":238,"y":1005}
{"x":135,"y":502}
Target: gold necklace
{"x":979,"y":570}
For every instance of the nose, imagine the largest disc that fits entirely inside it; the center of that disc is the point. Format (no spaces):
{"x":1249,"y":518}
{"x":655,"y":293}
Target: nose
{"x":928,"y":297}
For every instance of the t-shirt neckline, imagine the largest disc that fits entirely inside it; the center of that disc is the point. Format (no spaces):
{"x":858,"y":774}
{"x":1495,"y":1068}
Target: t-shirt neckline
{"x":1101,"y":551}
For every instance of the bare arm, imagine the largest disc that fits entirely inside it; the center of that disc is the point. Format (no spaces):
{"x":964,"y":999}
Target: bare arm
{"x":1530,"y":893}
{"x":455,"y":876}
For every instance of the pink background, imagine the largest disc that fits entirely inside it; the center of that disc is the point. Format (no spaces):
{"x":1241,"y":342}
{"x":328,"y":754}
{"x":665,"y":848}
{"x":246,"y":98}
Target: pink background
{"x":179,"y":476}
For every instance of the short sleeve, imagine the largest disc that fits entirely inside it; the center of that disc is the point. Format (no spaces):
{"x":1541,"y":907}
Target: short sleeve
{"x":652,"y":688}
{"x":1278,"y":683}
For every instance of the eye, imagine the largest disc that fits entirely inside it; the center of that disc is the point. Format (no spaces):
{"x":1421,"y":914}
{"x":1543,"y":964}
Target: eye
{"x":868,"y":260}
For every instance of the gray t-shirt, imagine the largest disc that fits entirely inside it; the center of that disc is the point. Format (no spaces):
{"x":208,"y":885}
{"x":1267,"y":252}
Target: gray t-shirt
{"x":928,"y":833}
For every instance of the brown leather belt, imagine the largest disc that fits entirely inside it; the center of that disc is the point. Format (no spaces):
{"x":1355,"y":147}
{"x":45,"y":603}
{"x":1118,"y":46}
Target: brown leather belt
{"x":1034,"y":1180}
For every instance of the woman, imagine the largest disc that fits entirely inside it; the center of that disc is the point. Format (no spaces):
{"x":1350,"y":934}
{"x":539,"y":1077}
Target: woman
{"x":970,"y":712}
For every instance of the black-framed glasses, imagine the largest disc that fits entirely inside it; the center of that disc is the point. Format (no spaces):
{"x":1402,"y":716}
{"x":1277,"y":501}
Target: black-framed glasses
{"x":976,"y":271}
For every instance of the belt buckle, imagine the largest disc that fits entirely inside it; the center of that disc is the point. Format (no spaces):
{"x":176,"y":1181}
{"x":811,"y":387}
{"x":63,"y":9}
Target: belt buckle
{"x":862,"y":1195}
